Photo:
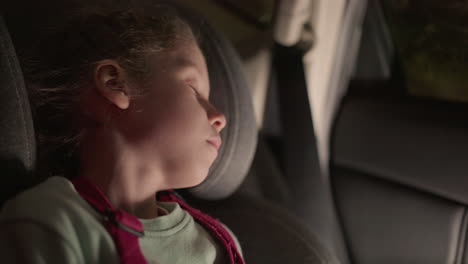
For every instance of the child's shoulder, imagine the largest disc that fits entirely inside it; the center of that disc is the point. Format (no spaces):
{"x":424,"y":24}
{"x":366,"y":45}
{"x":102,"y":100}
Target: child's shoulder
{"x":53,"y":213}
{"x":55,"y":201}
{"x":52,"y":186}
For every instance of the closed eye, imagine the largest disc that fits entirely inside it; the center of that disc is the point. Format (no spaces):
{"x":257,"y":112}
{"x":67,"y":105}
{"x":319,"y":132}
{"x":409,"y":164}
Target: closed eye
{"x":195,"y":90}
{"x":203,"y":102}
{"x":199,"y":95}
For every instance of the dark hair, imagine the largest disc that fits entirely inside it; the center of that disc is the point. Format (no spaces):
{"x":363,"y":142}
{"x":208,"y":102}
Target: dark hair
{"x":63,"y":61}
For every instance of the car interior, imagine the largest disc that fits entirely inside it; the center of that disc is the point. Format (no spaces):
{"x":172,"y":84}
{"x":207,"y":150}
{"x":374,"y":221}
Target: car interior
{"x":347,"y":124}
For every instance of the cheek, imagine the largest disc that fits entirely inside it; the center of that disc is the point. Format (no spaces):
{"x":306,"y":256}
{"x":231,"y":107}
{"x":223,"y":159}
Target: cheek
{"x":169,"y":118}
{"x":174,"y":132}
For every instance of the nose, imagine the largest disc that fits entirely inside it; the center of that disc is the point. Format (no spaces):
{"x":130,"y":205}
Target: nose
{"x":217,"y":119}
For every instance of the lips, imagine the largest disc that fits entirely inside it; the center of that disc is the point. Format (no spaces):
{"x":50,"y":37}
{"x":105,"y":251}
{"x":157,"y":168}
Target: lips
{"x":215,"y":141}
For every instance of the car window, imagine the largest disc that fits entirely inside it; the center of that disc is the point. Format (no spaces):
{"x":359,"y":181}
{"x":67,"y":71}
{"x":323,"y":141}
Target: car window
{"x":431,"y":41}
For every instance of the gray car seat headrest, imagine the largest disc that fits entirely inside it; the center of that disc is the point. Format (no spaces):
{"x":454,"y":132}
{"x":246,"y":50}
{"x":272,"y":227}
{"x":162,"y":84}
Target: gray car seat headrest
{"x":17,"y":145}
{"x":229,"y":93}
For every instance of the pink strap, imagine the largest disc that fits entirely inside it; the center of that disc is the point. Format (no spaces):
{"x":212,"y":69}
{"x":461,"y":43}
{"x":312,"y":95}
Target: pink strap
{"x":211,"y":224}
{"x":124,"y":228}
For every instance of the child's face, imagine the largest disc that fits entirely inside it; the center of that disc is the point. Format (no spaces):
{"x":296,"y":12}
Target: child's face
{"x":173,"y":127}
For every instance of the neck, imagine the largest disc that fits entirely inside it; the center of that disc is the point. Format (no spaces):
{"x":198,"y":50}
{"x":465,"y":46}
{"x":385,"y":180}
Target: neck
{"x":117,"y":172}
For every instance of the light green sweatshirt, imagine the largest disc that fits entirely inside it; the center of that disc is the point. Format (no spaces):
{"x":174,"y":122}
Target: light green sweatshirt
{"x":51,"y":223}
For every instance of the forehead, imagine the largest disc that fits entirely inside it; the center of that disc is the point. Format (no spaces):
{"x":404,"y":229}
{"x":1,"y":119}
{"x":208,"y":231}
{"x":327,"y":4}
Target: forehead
{"x":186,"y":55}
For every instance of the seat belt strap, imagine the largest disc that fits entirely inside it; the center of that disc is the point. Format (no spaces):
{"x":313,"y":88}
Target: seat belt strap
{"x":207,"y":222}
{"x":124,"y":228}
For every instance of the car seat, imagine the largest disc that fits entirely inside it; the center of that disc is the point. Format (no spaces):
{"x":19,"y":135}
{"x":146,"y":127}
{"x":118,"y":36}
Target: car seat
{"x":398,"y":174}
{"x":17,"y":142}
{"x":267,"y":233}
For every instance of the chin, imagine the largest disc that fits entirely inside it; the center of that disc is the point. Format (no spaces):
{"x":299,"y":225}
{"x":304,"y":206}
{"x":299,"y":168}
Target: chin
{"x":194,"y":180}
{"x":198,"y":180}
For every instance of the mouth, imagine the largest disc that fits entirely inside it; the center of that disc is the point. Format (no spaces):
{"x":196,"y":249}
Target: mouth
{"x":215,"y":141}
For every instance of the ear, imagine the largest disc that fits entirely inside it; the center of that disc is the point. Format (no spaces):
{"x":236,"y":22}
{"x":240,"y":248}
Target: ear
{"x":111,"y":82}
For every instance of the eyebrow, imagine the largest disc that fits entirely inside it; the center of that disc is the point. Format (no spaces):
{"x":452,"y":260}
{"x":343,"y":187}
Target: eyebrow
{"x":185,"y":63}
{"x":182,"y":62}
